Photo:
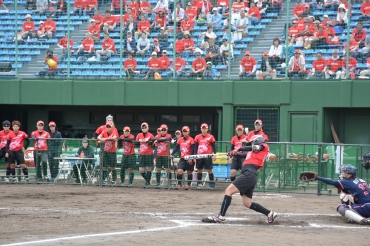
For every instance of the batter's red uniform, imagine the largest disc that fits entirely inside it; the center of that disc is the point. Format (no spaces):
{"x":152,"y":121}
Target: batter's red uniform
{"x":257,"y":158}
{"x":145,"y":148}
{"x":42,"y":143}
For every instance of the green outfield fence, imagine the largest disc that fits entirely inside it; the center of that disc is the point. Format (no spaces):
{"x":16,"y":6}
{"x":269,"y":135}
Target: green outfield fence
{"x":279,"y":174}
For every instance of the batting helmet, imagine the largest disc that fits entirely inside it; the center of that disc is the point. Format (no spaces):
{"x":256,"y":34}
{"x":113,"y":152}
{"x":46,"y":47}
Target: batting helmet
{"x":349,"y":169}
{"x":257,"y":139}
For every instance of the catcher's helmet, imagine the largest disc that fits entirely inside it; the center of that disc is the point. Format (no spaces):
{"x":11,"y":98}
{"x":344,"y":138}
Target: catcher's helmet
{"x":257,"y":139}
{"x":349,"y":169}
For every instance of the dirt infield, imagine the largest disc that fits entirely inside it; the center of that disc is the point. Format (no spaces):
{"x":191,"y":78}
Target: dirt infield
{"x":75,"y":215}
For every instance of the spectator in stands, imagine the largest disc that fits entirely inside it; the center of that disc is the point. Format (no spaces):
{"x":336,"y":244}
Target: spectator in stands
{"x":129,"y":44}
{"x":156,"y":47}
{"x":331,"y":32}
{"x":365,"y":50}
{"x":94,"y":30}
{"x":165,"y":62}
{"x":179,"y":64}
{"x":195,"y":5}
{"x":108,"y":22}
{"x":144,"y":6}
{"x":126,"y":17}
{"x":98,"y":18}
{"x":206,"y":9}
{"x":134,"y":6}
{"x":63,"y":44}
{"x":274,"y":7}
{"x":237,"y":6}
{"x":331,"y":5}
{"x":79,"y":7}
{"x":161,"y":5}
{"x":305,"y":15}
{"x":108,"y":48}
{"x":365,"y":10}
{"x":129,"y":66}
{"x":30,"y":5}
{"x":210,"y":73}
{"x":267,"y":68}
{"x":241,"y":26}
{"x":297,"y":65}
{"x":353,"y":47}
{"x":160,"y":20}
{"x":198,"y":66}
{"x":223,"y":6}
{"x":359,"y":33}
{"x":162,"y":36}
{"x":179,"y":46}
{"x":178,"y":13}
{"x":42,"y":5}
{"x":320,"y":38}
{"x":254,"y":14}
{"x":50,"y":27}
{"x":87,"y":45}
{"x":226,"y":50}
{"x":294,"y":34}
{"x":298,"y":10}
{"x":247,"y":65}
{"x":325,"y":20}
{"x":115,"y":6}
{"x":91,"y":5}
{"x":186,"y":24}
{"x":206,"y":36}
{"x":188,"y":44}
{"x":150,"y":15}
{"x":131,"y":26}
{"x":52,"y":65}
{"x":213,"y":52}
{"x":41,"y":30}
{"x":364,"y":74}
{"x":143,"y":45}
{"x":216,"y":18}
{"x":333,"y":66}
{"x":192,"y":14}
{"x":142,"y":27}
{"x":342,"y":16}
{"x":154,"y":65}
{"x":275,"y":52}
{"x":287,"y":54}
{"x":318,"y":67}
{"x":57,"y":12}
{"x":28,"y":28}
{"x":352,"y":65}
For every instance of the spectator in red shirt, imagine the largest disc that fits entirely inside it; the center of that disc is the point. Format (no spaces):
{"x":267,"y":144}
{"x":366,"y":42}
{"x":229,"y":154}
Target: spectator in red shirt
{"x":109,"y":22}
{"x":365,"y":10}
{"x":134,"y":6}
{"x":198,"y":66}
{"x":115,"y":6}
{"x":108,"y":48}
{"x":50,"y":27}
{"x":91,"y":5}
{"x":188,"y":44}
{"x":186,"y":24}
{"x":87,"y":45}
{"x":127,"y":16}
{"x":143,"y":26}
{"x":98,"y":18}
{"x":320,"y":38}
{"x":353,"y":47}
{"x":179,"y":46}
{"x":28,"y":28}
{"x":41,"y":30}
{"x":52,"y":68}
{"x":94,"y":30}
{"x":130,"y":66}
{"x":247,"y":65}
{"x":79,"y":7}
{"x":223,"y":6}
{"x":352,"y":65}
{"x":333,"y":66}
{"x":63,"y":44}
{"x":297,"y":65}
{"x":154,"y":65}
{"x":254,"y":15}
{"x":144,"y":5}
{"x":160,"y":20}
{"x":294,"y":32}
{"x":298,"y":10}
{"x":165,"y":61}
{"x":359,"y":33}
{"x":318,"y":67}
{"x":179,"y":65}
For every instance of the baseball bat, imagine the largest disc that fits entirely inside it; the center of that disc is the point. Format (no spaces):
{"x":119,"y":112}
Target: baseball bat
{"x":201,"y":156}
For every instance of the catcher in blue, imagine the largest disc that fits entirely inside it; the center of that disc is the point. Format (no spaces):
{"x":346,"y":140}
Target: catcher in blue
{"x":354,"y":193}
{"x":245,"y":183}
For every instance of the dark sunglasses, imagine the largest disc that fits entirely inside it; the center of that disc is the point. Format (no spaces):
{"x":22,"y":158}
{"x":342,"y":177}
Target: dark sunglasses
{"x":184,"y":131}
{"x":163,"y":130}
{"x":257,"y":124}
{"x":127,"y":131}
{"x":6,"y":126}
{"x":40,"y":125}
{"x":108,"y":126}
{"x":144,"y":127}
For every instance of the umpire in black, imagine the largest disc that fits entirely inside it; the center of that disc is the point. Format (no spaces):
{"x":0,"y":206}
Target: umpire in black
{"x":55,"y":149}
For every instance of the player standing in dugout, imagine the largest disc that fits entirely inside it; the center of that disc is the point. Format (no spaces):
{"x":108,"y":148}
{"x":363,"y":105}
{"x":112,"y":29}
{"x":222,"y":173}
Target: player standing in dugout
{"x":186,"y":146}
{"x":245,"y":183}
{"x":163,"y":142}
{"x":236,"y":143}
{"x":16,"y":151}
{"x":204,"y":144}
{"x":128,"y":157}
{"x":257,"y":130}
{"x":55,"y":149}
{"x":146,"y":158}
{"x":5,"y":135}
{"x":40,"y":150}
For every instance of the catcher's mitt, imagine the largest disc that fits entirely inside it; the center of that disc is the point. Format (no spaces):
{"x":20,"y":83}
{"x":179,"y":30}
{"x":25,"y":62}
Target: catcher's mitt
{"x":307,"y":177}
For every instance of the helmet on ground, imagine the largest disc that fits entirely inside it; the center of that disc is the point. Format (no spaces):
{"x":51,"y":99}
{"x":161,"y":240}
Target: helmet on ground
{"x":257,"y":139}
{"x":347,"y":168}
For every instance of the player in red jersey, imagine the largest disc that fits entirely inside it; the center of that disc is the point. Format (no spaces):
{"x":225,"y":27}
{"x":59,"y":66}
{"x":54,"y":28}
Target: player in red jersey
{"x":257,"y":131}
{"x":108,"y":120}
{"x":146,"y":153}
{"x":236,"y":143}
{"x":128,"y":157}
{"x":163,"y":142}
{"x":5,"y":136}
{"x":40,"y":150}
{"x":245,"y":183}
{"x":16,"y":150}
{"x":204,"y":144}
{"x":109,"y":138}
{"x":186,"y":146}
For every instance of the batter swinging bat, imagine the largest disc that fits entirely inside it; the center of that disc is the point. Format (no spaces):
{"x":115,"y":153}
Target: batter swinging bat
{"x":202,"y":156}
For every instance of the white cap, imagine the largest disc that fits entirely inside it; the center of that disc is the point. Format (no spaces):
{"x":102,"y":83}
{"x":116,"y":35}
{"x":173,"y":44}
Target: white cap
{"x":326,"y":16}
{"x":154,"y":53}
{"x":343,"y":6}
{"x":215,"y":9}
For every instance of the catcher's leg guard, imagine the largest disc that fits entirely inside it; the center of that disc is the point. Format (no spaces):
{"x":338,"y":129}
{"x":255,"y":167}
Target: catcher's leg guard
{"x":348,"y":213}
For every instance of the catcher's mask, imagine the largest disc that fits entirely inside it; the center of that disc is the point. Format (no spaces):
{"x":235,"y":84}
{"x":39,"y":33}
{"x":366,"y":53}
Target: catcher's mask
{"x":349,"y":169}
{"x":257,"y":139}
{"x":366,"y":163}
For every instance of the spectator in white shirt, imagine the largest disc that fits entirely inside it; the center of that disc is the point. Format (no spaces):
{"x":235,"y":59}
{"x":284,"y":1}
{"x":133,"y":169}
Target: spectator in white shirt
{"x":241,"y":26}
{"x":161,"y":4}
{"x":275,"y":53}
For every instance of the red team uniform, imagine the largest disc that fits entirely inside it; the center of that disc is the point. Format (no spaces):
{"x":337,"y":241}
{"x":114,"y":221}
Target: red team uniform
{"x":41,"y":144}
{"x":145,"y":148}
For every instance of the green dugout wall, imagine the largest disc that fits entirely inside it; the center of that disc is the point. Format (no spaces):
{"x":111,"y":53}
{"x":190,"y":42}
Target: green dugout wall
{"x":305,"y":108}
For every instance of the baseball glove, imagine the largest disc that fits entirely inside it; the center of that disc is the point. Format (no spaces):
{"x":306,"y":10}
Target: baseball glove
{"x":307,"y":177}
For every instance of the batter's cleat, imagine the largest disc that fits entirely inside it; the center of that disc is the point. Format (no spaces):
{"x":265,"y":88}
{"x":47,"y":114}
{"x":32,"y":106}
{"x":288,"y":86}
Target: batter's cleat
{"x":214,"y":219}
{"x":179,"y":187}
{"x":6,"y":180}
{"x":187,"y":187}
{"x":271,"y":217}
{"x":15,"y":180}
{"x":365,"y":222}
{"x":200,"y":186}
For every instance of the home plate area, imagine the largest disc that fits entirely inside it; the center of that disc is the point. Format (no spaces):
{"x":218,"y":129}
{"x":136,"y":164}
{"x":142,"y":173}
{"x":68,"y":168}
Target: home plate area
{"x":74,"y":215}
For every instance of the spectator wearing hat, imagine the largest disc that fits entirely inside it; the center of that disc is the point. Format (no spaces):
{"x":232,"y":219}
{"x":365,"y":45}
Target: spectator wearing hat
{"x":108,"y":22}
{"x":98,"y":18}
{"x":210,"y":72}
{"x":129,"y":66}
{"x":63,"y":44}
{"x":226,"y":50}
{"x":154,"y":65}
{"x":318,"y":67}
{"x":180,"y":66}
{"x":342,"y":16}
{"x":162,"y":36}
{"x":161,"y":5}
{"x":213,"y":52}
{"x":52,"y":65}
{"x":186,"y":24}
{"x":359,"y":33}
{"x":87,"y":46}
{"x":94,"y":30}
{"x":331,"y":5}
{"x":275,"y":53}
{"x":325,"y":20}
{"x":40,"y":153}
{"x":160,"y":20}
{"x":5,"y":136}
{"x":297,"y":65}
{"x":247,"y":65}
{"x":216,"y":18}
{"x":365,"y":10}
{"x":129,"y":44}
{"x":156,"y":47}
{"x":128,"y":158}
{"x":165,"y":62}
{"x":79,"y":7}
{"x":108,"y":48}
{"x":353,"y":47}
{"x":198,"y":66}
{"x":130,"y":26}
{"x":178,"y":14}
{"x":267,"y":68}
{"x":254,"y":14}
{"x":54,"y":150}
{"x":144,"y":7}
{"x":307,"y":12}
{"x":143,"y":26}
{"x":115,"y":6}
{"x":351,"y":68}
{"x":143,"y":45}
{"x":42,"y":6}
{"x":85,"y":151}
{"x":188,"y":44}
{"x":50,"y":27}
{"x":28,"y":28}
{"x":294,"y":34}
{"x":333,"y":67}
